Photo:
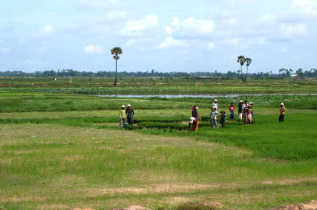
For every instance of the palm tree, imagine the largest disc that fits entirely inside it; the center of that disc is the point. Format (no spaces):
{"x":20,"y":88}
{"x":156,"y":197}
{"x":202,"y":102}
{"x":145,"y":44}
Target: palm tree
{"x":248,"y":61}
{"x":241,"y":60}
{"x":116,"y":51}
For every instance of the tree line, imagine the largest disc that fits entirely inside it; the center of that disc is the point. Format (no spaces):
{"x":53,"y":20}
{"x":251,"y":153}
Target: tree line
{"x":283,"y":73}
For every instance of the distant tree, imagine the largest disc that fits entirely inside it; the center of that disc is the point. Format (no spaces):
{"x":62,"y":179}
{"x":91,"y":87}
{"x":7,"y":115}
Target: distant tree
{"x":248,"y":61}
{"x":300,"y":73}
{"x":241,"y":60}
{"x":281,"y":72}
{"x":116,"y":51}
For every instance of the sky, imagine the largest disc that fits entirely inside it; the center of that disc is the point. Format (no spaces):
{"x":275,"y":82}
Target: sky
{"x":164,"y":35}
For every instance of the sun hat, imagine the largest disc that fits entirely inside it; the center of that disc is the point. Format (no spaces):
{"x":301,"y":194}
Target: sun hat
{"x":282,"y":104}
{"x":215,"y":100}
{"x":122,"y":106}
{"x":241,"y":101}
{"x":129,"y":105}
{"x":251,"y":103}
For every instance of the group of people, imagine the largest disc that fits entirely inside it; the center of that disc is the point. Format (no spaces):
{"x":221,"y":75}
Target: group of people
{"x":245,"y":112}
{"x":126,"y":113}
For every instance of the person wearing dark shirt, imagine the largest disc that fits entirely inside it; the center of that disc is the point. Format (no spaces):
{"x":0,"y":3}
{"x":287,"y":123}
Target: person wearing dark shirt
{"x":240,"y":110}
{"x":223,"y":118}
{"x":130,"y":112}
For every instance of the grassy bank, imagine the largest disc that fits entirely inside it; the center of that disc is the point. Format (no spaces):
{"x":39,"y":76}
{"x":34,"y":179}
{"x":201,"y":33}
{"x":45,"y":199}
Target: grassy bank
{"x":60,"y":151}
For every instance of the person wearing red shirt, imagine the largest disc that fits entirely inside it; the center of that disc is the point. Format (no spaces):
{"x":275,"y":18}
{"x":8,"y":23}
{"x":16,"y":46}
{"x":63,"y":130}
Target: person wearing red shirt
{"x":231,"y":110}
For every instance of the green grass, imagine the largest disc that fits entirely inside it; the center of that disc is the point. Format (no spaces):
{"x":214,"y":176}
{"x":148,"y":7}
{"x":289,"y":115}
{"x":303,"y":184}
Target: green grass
{"x":60,"y":151}
{"x":154,"y":86}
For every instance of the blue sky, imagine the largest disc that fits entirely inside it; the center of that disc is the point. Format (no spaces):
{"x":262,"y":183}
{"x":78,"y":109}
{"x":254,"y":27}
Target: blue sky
{"x":165,"y":35}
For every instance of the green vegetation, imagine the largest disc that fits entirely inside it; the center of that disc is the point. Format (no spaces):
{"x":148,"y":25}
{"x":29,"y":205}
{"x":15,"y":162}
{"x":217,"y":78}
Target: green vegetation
{"x":155,"y":85}
{"x":64,"y":151}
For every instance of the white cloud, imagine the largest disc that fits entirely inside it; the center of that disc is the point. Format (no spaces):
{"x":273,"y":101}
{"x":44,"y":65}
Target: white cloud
{"x":304,"y":4}
{"x":293,"y":29}
{"x":94,"y":49}
{"x":4,"y":50}
{"x":210,"y":46}
{"x":139,"y":27}
{"x":47,"y":30}
{"x":191,"y":28}
{"x":171,"y":42}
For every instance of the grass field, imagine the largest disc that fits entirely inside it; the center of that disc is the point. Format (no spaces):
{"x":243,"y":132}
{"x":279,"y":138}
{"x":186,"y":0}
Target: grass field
{"x":131,"y":85}
{"x":65,"y":151}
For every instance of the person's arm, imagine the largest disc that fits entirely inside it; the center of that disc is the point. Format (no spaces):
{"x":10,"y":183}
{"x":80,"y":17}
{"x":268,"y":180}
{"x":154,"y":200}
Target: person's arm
{"x":132,"y":112}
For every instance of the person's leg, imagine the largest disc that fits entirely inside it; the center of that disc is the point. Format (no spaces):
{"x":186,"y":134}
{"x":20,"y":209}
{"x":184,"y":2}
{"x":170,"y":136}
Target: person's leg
{"x":197,"y":124}
{"x":280,"y":118}
{"x":216,"y":124}
{"x":193,"y":126}
{"x":211,"y":123}
{"x":120,"y":122}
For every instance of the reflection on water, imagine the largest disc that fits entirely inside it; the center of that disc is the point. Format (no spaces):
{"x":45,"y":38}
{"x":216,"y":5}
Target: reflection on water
{"x":193,"y":96}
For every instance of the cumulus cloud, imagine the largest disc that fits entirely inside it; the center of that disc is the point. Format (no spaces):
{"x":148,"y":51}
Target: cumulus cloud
{"x":191,"y":28}
{"x":171,"y":42}
{"x":47,"y":30}
{"x":94,"y":49}
{"x":139,"y":27}
{"x":305,"y":4}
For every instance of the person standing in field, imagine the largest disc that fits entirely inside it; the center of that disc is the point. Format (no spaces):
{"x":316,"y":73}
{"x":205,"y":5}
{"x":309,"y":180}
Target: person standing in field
{"x":215,"y":104}
{"x":223,"y":118}
{"x":250,"y":114}
{"x":122,"y":115}
{"x":245,"y":112}
{"x":282,"y":113}
{"x":130,"y":112}
{"x":240,"y":110}
{"x":231,"y":110}
{"x":213,"y":117}
{"x":195,"y":122}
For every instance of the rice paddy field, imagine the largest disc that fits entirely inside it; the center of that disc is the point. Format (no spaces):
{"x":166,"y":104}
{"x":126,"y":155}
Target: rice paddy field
{"x":61,"y":146}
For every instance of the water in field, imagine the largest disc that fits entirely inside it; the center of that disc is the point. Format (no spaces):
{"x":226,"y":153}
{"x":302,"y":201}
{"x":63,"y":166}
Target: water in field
{"x":192,"y":95}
